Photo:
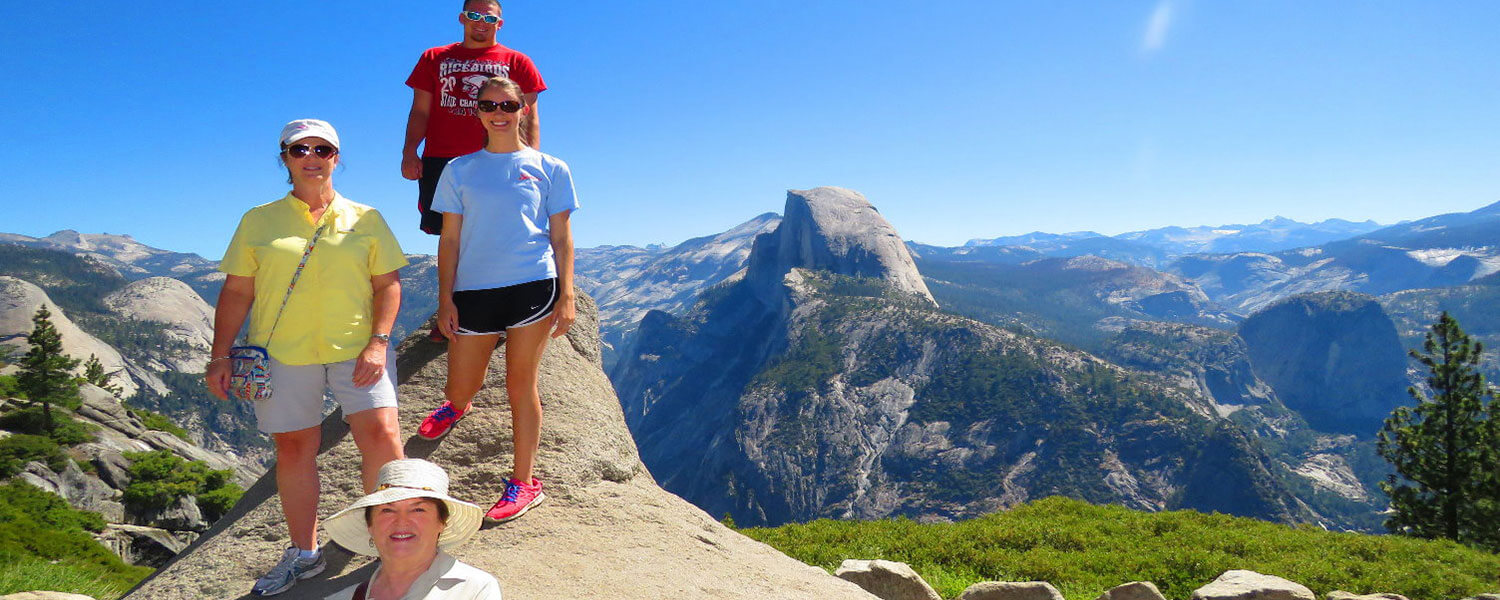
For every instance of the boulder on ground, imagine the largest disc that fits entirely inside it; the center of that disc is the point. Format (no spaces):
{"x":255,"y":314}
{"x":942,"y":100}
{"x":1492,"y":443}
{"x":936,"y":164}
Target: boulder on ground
{"x":81,"y":490}
{"x":140,"y":545}
{"x":1011,"y":590}
{"x":1135,"y":590}
{"x":1343,"y":595}
{"x":887,"y":579}
{"x":1249,"y":585}
{"x":45,"y":596}
{"x":181,"y":515}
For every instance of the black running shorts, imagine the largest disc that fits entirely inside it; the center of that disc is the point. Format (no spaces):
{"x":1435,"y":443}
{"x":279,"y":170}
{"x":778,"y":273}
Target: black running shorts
{"x":432,"y":168}
{"x":493,"y":310}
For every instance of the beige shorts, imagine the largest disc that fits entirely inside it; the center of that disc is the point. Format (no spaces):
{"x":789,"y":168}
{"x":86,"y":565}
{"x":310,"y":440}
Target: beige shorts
{"x":297,"y":393}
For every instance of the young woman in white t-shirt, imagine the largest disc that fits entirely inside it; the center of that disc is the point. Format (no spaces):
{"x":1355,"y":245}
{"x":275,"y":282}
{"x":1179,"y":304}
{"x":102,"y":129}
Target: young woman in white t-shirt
{"x":505,"y":271}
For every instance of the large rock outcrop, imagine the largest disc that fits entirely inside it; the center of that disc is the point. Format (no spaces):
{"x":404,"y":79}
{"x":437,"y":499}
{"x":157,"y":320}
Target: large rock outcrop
{"x":1333,"y":357}
{"x":607,"y":530}
{"x":19,"y":301}
{"x":186,"y":319}
{"x":836,"y":230}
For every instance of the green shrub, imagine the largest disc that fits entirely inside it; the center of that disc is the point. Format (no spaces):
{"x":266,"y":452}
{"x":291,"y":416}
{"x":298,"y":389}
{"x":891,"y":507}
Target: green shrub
{"x":31,"y":419}
{"x":42,"y":539}
{"x":216,"y":502}
{"x":8,"y":386}
{"x":160,"y":478}
{"x":21,"y":448}
{"x":159,"y":422}
{"x":1084,"y":550}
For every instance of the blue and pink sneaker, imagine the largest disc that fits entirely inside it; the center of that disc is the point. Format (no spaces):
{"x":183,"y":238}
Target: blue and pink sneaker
{"x":518,"y":498}
{"x":441,"y":421}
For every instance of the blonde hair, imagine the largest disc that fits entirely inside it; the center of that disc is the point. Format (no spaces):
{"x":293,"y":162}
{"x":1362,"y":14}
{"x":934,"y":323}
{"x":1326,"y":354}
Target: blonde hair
{"x":515,"y":89}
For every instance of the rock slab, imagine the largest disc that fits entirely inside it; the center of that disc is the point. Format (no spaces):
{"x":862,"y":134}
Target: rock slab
{"x":1249,"y":585}
{"x":1011,"y":590}
{"x":886,"y":579}
{"x":1343,"y":595}
{"x":606,"y":530}
{"x":1135,"y":590}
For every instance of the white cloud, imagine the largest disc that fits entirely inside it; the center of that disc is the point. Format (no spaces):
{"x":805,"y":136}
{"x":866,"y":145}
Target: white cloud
{"x":1157,"y":26}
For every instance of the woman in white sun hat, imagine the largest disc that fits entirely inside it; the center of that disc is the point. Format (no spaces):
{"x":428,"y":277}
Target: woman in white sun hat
{"x":408,"y":521}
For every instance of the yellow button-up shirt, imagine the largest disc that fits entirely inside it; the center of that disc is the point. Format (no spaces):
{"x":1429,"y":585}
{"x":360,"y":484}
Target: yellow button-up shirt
{"x":330,"y":314}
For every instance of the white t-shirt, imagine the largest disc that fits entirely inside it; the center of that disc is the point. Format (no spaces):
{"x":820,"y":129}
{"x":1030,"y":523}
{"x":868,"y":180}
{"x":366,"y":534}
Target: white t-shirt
{"x":506,"y":200}
{"x":446,"y":579}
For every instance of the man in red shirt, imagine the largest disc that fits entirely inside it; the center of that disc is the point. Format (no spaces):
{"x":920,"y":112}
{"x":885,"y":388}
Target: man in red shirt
{"x":444,"y":84}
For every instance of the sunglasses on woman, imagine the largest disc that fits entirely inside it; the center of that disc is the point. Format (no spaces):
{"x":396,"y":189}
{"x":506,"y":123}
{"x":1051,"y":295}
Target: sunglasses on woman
{"x":301,"y":150}
{"x":509,"y":106}
{"x":474,"y":16}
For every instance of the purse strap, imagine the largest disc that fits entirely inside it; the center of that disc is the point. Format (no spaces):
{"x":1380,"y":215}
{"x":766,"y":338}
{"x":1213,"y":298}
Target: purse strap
{"x":295,"y":276}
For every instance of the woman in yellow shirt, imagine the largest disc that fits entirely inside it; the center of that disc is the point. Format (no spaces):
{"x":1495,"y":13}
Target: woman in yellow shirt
{"x":331,"y":335}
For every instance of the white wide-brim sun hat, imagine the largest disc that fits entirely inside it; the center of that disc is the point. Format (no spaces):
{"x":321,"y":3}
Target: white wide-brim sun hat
{"x":403,"y":480}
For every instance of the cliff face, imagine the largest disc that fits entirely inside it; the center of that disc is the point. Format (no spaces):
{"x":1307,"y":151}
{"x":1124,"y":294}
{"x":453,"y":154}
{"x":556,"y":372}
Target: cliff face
{"x":1334,"y":357}
{"x":606,"y":529}
{"x":835,"y":230}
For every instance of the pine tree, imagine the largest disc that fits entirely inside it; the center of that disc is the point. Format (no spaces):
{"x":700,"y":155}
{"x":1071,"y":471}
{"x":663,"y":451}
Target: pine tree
{"x":46,"y":373}
{"x":94,"y":373}
{"x":1443,"y":449}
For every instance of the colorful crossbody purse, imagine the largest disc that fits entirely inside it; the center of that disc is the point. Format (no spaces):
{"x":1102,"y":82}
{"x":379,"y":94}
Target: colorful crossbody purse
{"x":250,"y":366}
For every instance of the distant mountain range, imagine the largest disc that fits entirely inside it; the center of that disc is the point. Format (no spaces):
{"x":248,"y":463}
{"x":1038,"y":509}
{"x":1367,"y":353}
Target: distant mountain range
{"x":1270,"y":235}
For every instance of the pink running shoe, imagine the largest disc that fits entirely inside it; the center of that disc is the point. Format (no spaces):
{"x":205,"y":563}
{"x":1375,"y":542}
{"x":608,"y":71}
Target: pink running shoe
{"x":517,"y":499}
{"x":441,"y":421}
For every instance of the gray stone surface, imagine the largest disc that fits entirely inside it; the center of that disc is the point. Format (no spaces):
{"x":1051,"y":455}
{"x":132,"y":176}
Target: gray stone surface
{"x":81,"y":490}
{"x":886,"y":579}
{"x":838,"y":230}
{"x":1135,"y":590}
{"x":110,"y":464}
{"x":181,"y":515}
{"x":19,"y":301}
{"x":139,"y":545}
{"x":1011,"y":590}
{"x":1343,"y":595}
{"x":45,"y":596}
{"x":1249,"y":585}
{"x":606,"y":526}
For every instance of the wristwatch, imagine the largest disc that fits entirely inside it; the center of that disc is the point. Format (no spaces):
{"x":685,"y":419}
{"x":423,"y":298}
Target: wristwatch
{"x":384,"y":337}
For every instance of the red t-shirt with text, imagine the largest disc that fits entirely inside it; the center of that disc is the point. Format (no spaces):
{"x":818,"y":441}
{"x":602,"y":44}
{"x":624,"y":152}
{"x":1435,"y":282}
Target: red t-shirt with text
{"x":452,"y":75}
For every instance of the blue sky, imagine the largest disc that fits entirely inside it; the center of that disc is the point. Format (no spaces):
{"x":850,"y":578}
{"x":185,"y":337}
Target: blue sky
{"x":956,"y":119}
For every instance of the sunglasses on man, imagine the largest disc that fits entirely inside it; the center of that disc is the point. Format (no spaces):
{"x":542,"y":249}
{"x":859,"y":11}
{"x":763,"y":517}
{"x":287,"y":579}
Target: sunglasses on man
{"x":323,"y":151}
{"x":509,"y":106}
{"x":474,"y":16}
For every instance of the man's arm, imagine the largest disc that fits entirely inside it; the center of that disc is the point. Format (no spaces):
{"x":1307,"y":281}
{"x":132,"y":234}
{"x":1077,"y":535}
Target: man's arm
{"x":533,"y":125}
{"x":416,"y":130}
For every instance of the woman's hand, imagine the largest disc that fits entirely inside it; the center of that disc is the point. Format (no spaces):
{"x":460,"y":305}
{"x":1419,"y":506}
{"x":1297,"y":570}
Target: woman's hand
{"x":447,"y":317}
{"x":217,"y":377}
{"x":370,"y":366}
{"x":563,"y":314}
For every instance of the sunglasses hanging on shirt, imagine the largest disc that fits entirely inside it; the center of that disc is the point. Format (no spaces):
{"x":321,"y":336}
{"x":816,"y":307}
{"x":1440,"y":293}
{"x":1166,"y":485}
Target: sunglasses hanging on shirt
{"x":509,"y":106}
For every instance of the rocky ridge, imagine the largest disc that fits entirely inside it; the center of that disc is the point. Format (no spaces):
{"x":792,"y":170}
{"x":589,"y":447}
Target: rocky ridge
{"x":606,"y":525}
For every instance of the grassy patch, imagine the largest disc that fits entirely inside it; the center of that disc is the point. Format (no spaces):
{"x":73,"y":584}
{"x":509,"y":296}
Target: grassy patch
{"x":45,"y":544}
{"x":1085,"y":549}
{"x":34,"y":574}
